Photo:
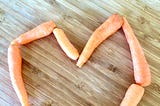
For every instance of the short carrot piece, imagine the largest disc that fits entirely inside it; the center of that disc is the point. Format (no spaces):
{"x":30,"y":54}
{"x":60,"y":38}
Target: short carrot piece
{"x":109,"y":27}
{"x":38,"y":32}
{"x":142,"y":72}
{"x":133,"y":95}
{"x":14,"y":63}
{"x":65,"y":44}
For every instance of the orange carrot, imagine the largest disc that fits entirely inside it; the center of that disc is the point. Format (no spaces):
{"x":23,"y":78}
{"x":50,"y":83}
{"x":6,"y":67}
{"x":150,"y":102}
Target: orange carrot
{"x":141,"y":69}
{"x":133,"y":95}
{"x":14,"y":63}
{"x":65,"y":44}
{"x":109,"y":27}
{"x":38,"y":32}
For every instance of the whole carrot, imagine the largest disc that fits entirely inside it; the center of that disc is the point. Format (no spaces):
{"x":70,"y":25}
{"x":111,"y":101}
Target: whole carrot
{"x":38,"y":32}
{"x":109,"y":27}
{"x":65,"y":44}
{"x":14,"y":63}
{"x":133,"y":95}
{"x":142,"y":72}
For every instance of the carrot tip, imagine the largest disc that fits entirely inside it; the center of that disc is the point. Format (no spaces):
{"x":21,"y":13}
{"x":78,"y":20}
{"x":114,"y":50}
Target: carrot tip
{"x":79,"y":64}
{"x":75,"y":58}
{"x":14,"y":42}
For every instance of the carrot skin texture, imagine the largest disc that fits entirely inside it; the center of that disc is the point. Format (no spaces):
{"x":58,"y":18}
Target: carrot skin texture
{"x":38,"y":32}
{"x":142,"y":72}
{"x":14,"y":63}
{"x":133,"y":95}
{"x":65,"y":44}
{"x":109,"y":27}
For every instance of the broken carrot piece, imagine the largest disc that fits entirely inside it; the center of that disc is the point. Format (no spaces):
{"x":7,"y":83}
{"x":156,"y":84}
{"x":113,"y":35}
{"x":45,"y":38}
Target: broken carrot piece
{"x":109,"y":27}
{"x":38,"y":32}
{"x":65,"y":44}
{"x":142,"y":72}
{"x":133,"y":95}
{"x":14,"y":64}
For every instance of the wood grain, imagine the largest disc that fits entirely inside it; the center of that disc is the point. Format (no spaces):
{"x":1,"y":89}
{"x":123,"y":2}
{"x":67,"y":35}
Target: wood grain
{"x":52,"y":79}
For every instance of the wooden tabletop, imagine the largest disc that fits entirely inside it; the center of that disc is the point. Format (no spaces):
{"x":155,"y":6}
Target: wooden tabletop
{"x":52,"y":79}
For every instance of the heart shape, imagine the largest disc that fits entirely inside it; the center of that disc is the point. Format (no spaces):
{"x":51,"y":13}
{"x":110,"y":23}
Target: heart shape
{"x":110,"y":26}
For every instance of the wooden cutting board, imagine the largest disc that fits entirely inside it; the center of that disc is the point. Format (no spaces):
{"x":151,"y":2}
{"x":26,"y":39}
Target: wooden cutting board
{"x":52,"y":79}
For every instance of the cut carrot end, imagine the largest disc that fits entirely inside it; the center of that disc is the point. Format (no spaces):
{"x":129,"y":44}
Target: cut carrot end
{"x":79,"y":65}
{"x":14,"y":42}
{"x":80,"y":61}
{"x":76,"y":56}
{"x":133,"y":95}
{"x":147,"y":83}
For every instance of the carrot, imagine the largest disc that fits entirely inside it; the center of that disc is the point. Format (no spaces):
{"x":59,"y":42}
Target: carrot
{"x":38,"y":32}
{"x":65,"y":44}
{"x":109,"y":27}
{"x":133,"y":95}
{"x":14,"y":63}
{"x":142,"y":73}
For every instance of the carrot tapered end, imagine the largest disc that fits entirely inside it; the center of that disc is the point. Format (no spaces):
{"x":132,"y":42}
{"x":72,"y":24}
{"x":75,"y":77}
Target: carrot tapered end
{"x":79,"y":64}
{"x":14,"y":42}
{"x":81,"y":61}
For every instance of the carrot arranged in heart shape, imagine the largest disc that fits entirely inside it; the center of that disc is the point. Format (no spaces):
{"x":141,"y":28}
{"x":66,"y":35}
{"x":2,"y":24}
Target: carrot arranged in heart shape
{"x":109,"y":27}
{"x":142,"y":72}
{"x":38,"y":32}
{"x":141,"y":69}
{"x":15,"y":70}
{"x":133,"y":95}
{"x":65,"y":44}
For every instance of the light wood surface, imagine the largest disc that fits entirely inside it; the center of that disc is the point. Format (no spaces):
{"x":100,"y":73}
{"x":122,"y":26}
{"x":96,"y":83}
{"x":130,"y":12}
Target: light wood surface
{"x":52,"y":79}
